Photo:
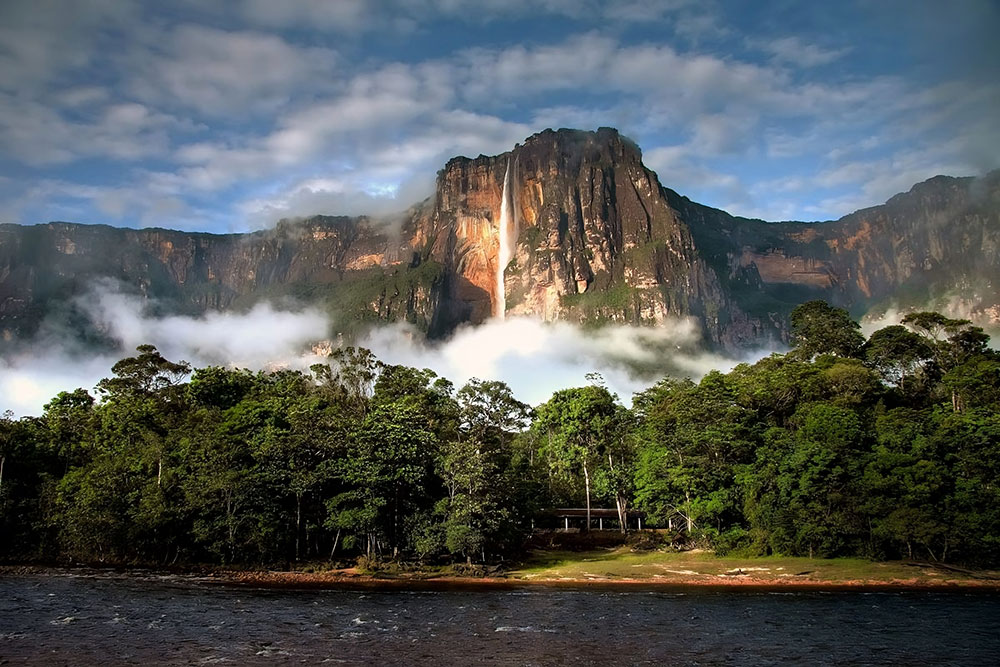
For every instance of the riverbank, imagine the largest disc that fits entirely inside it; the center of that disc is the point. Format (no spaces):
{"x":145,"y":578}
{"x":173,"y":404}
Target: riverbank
{"x":599,"y":568}
{"x":702,"y":568}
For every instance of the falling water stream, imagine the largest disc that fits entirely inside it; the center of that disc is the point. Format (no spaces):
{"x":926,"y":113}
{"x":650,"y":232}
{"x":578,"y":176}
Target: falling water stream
{"x":508,"y":237}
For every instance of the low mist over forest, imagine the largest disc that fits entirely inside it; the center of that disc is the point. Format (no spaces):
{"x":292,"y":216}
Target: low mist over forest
{"x":882,"y":447}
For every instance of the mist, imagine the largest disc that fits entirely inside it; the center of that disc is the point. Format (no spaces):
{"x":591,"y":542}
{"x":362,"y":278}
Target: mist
{"x":953,"y":306}
{"x":535,"y":358}
{"x":263,"y":337}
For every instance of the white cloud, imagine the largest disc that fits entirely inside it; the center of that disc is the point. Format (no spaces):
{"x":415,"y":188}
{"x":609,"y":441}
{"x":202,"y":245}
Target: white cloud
{"x":719,"y":134}
{"x":798,"y":52}
{"x":43,"y":40}
{"x":535,"y":358}
{"x":194,"y":116}
{"x":333,"y":196}
{"x":255,"y":338}
{"x":360,"y":16}
{"x":873,"y":181}
{"x":220,"y":72}
{"x":400,"y":118}
{"x":342,"y":15}
{"x":131,"y":204}
{"x":37,"y":134}
{"x":264,"y":337}
{"x":679,"y":168}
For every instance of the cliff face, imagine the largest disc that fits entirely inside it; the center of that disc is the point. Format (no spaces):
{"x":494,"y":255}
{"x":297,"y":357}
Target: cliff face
{"x":598,"y":239}
{"x":45,"y":268}
{"x":937,"y":245}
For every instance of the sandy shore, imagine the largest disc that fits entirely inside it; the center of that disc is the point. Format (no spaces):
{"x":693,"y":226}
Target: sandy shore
{"x":350,"y":579}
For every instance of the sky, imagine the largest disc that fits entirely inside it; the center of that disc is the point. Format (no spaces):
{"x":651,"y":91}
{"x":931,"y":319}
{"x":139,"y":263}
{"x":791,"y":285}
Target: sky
{"x":228,"y":116}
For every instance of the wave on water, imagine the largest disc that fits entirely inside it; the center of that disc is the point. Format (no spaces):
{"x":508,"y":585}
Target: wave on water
{"x":57,"y":620}
{"x":66,"y":620}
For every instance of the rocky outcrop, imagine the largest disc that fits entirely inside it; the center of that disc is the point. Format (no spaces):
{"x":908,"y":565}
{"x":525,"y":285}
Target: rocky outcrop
{"x":936,"y":246}
{"x":45,"y":268}
{"x":600,"y":240}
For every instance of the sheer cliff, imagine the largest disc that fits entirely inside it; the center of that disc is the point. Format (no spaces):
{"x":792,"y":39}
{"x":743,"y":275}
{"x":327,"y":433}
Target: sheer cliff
{"x":592,"y":235}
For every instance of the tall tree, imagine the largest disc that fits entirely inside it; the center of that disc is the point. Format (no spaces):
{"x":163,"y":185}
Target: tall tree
{"x":692,"y":438}
{"x":476,"y":468}
{"x":578,"y":424}
{"x":819,"y":328}
{"x":898,"y":354}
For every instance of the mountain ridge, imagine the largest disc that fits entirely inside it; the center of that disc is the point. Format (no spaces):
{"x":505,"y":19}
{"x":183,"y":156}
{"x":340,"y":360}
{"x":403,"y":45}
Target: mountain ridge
{"x":599,"y":240}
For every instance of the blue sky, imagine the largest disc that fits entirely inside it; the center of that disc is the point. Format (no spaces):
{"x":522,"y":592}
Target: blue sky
{"x":228,"y":116}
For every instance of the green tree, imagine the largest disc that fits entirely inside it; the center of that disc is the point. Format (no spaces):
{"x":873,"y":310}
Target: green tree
{"x":480,"y":511}
{"x":803,"y":498}
{"x":578,"y":424}
{"x":693,"y":439}
{"x":385,"y":475}
{"x":349,"y":376}
{"x":818,"y":328}
{"x":906,"y":486}
{"x":898,"y":355}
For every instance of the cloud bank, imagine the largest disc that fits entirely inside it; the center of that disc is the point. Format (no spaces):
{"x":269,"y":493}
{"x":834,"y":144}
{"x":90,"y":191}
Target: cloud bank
{"x":227,"y":116}
{"x":535,"y":358}
{"x":261,"y":338}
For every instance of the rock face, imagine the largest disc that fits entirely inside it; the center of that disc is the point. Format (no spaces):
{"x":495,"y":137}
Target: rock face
{"x":348,"y":265}
{"x":936,"y":246}
{"x":599,"y":240}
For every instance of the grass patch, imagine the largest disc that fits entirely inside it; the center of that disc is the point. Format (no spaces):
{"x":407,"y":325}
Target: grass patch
{"x":702,"y":566}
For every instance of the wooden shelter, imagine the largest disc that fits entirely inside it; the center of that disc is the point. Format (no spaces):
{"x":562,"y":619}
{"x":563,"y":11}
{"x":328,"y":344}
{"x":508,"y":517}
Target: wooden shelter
{"x":575,"y":518}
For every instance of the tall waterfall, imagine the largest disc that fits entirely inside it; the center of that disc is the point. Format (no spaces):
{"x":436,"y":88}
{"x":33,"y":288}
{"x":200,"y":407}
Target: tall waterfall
{"x":508,"y":241}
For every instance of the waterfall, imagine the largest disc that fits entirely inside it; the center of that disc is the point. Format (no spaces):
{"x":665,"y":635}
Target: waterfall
{"x":508,"y":239}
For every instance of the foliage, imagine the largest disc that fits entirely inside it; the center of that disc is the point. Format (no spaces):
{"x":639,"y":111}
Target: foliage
{"x":818,"y":328}
{"x":884,"y":448}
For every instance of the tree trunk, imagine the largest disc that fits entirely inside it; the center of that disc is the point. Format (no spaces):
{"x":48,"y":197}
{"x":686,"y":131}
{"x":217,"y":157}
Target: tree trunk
{"x":298,"y":524}
{"x":395,"y":521}
{"x":231,"y":528}
{"x":619,"y":501}
{"x":687,"y":513}
{"x":586,"y":479}
{"x":336,"y":540}
{"x":159,"y":470}
{"x":3,"y":460}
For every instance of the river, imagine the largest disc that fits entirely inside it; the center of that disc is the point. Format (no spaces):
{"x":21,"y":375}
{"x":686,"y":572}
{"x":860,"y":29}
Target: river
{"x":57,"y":619}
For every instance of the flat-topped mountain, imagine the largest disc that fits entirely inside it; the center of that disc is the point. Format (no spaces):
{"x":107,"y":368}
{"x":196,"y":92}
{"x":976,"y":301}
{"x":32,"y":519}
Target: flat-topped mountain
{"x":569,"y":225}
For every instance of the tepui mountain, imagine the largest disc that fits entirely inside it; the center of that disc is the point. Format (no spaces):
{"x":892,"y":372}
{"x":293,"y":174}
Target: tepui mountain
{"x":570,"y":225}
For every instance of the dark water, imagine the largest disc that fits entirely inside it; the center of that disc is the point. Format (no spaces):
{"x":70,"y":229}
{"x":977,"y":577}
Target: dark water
{"x":56,"y":620}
